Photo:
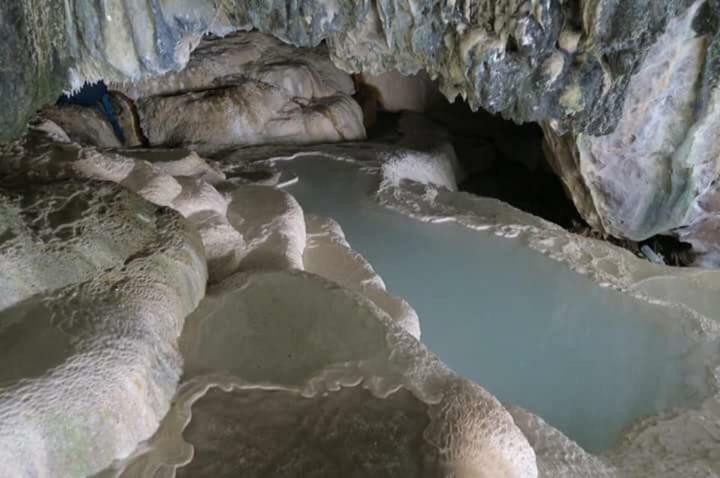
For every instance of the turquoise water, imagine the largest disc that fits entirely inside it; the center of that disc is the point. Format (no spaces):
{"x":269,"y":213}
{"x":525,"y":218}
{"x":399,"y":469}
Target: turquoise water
{"x":589,"y":360}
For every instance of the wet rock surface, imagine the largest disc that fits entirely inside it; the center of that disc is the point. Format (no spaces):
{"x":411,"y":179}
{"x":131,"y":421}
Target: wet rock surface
{"x":286,"y":288}
{"x":326,"y":443}
{"x":331,"y":351}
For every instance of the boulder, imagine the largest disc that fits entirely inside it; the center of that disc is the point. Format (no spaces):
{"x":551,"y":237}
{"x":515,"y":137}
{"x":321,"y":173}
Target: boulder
{"x":249,"y":113}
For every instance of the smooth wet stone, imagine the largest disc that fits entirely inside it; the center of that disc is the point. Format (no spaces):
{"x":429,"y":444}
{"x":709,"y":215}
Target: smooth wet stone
{"x":345,"y":433}
{"x":328,"y":254}
{"x":273,"y":225}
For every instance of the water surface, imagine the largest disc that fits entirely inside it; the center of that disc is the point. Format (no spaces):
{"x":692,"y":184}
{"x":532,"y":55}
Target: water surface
{"x":589,"y":360}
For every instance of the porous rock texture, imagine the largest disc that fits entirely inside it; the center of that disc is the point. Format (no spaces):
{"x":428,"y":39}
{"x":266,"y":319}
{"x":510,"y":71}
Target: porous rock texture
{"x":96,"y":286}
{"x":177,"y":179}
{"x":616,"y":78}
{"x":288,"y":373}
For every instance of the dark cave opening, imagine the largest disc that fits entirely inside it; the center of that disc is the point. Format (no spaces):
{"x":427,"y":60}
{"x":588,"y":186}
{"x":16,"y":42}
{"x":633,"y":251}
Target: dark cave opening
{"x":505,"y":161}
{"x":500,"y":159}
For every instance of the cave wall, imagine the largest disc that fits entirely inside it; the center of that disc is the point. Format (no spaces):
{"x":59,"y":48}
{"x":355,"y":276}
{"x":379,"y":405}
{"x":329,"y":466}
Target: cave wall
{"x":563,"y":61}
{"x":630,"y":86}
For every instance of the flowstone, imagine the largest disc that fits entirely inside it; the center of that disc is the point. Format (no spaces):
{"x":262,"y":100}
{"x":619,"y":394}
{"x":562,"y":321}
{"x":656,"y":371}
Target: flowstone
{"x":279,"y":344}
{"x":107,"y":334}
{"x":415,"y":175}
{"x":97,"y":285}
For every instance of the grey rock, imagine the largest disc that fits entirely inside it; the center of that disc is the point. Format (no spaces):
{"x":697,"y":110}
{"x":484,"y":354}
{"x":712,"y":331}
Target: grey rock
{"x":246,"y":89}
{"x":578,"y":67}
{"x":530,"y":60}
{"x":656,"y":172}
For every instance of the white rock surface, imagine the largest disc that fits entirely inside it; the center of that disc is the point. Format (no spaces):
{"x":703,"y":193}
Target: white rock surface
{"x":274,"y":338}
{"x":249,"y":88}
{"x":557,"y":455}
{"x":283,"y":343}
{"x":247,"y":114}
{"x":259,"y":226}
{"x":180,"y":180}
{"x":90,"y":361}
{"x":273,"y":225}
{"x":56,"y":235}
{"x":188,"y":192}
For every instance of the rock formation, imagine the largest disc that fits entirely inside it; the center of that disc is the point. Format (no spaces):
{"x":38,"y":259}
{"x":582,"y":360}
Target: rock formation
{"x":107,"y":280}
{"x":108,"y":338}
{"x":395,"y":92}
{"x":249,"y":89}
{"x":615,"y":78}
{"x":97,"y":286}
